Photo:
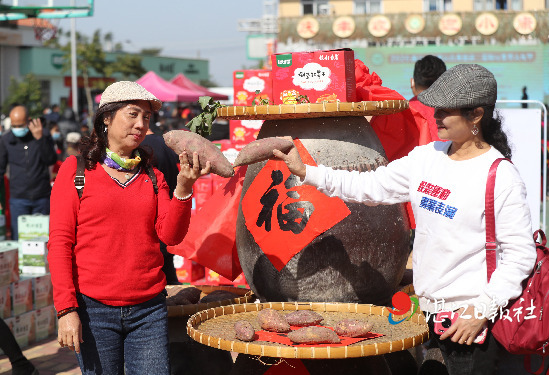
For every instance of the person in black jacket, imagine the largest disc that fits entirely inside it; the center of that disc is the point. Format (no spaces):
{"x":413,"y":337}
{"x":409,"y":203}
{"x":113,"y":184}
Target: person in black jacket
{"x":28,"y":149}
{"x":165,"y":160}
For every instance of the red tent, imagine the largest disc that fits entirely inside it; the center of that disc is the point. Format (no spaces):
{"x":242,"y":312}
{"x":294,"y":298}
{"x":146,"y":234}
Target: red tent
{"x":164,"y":90}
{"x":182,"y":81}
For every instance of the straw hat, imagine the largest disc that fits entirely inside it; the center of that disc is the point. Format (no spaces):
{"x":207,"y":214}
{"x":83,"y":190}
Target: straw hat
{"x":127,"y":90}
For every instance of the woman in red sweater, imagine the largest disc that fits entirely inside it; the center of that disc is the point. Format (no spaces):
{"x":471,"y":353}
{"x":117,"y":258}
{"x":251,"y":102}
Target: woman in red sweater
{"x":104,"y":253}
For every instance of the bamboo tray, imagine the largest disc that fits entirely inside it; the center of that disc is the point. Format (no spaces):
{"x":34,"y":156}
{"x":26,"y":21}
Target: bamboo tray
{"x":187,"y":310}
{"x":311,"y":110}
{"x":214,"y":327}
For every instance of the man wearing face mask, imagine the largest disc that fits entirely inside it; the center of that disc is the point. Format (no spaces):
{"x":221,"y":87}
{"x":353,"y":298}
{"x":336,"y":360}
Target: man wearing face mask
{"x":28,"y":149}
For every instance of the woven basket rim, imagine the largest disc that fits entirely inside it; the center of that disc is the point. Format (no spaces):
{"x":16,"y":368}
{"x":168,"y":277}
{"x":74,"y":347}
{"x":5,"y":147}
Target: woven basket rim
{"x":312,"y":110}
{"x":247,"y":295}
{"x":361,"y":349}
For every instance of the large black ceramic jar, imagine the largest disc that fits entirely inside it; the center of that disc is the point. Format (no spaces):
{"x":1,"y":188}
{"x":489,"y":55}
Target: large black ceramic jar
{"x":360,"y":259}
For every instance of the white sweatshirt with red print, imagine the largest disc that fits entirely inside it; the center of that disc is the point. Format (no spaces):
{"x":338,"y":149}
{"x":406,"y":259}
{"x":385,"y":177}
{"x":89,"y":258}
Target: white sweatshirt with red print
{"x":447,"y":197}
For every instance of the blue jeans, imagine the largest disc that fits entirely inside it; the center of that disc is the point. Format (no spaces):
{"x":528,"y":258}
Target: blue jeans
{"x":19,"y":206}
{"x":117,"y":338}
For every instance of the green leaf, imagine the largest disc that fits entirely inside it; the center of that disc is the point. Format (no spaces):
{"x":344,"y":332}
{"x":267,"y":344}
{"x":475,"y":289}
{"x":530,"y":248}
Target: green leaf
{"x":205,"y":101}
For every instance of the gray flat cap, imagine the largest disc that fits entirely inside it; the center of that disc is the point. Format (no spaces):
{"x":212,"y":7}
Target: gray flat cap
{"x":127,"y":90}
{"x":462,"y":86}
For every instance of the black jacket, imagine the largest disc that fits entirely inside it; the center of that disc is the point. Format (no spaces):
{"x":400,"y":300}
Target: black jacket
{"x":28,"y":161}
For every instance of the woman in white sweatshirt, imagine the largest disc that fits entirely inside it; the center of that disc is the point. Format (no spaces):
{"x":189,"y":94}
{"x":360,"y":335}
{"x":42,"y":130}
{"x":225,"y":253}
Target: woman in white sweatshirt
{"x":446,"y":183}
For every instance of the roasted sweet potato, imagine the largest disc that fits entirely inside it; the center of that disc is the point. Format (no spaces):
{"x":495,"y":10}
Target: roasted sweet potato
{"x":181,"y":140}
{"x":182,"y":296}
{"x":272,"y":320}
{"x":261,"y":150}
{"x":219,"y":295}
{"x":314,"y":335}
{"x":303,"y":318}
{"x":352,"y":328}
{"x":244,"y":331}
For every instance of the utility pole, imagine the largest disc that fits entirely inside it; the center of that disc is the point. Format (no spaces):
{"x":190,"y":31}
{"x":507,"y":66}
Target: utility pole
{"x":267,"y":26}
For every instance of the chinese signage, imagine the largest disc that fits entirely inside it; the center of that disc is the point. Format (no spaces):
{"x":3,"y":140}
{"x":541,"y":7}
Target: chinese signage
{"x":524,"y":23}
{"x":486,"y":23}
{"x":307,"y":28}
{"x":450,"y":24}
{"x":414,"y":23}
{"x":344,"y":27}
{"x":379,"y":26}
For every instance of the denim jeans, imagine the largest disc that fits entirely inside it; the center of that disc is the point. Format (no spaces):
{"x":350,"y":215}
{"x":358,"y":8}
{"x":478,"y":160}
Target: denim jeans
{"x":461,"y":359}
{"x":20,"y":207}
{"x":132,"y":338}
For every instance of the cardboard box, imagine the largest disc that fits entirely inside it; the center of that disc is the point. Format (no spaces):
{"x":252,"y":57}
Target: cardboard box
{"x":187,"y":271}
{"x":21,"y":296}
{"x":42,"y":291}
{"x":243,"y":132}
{"x":5,"y":301}
{"x":24,"y":329}
{"x":34,"y":254}
{"x":9,"y":265}
{"x":246,"y":83}
{"x":45,"y":322}
{"x":320,"y":75}
{"x":32,"y":226}
{"x":213,"y":278}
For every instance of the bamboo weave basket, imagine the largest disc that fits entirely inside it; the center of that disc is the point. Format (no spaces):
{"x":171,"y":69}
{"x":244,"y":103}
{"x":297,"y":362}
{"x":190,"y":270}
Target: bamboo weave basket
{"x":214,"y":327}
{"x":187,"y":310}
{"x":311,"y":110}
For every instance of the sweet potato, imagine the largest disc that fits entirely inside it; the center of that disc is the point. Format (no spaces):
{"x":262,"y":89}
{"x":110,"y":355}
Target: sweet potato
{"x":244,"y":331}
{"x":272,"y":320}
{"x":219,"y":295}
{"x":182,"y":296}
{"x":261,"y":150}
{"x":314,"y":335}
{"x":303,"y":318}
{"x":182,"y":140}
{"x":352,"y":328}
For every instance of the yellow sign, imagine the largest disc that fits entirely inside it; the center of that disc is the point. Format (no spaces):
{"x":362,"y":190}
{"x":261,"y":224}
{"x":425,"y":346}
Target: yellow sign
{"x":379,"y":26}
{"x":307,"y":27}
{"x":524,"y":23}
{"x":450,"y":24}
{"x":414,"y":23}
{"x":486,"y":23}
{"x":343,"y":27}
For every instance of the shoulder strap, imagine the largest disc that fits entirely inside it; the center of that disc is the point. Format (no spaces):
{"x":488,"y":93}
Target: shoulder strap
{"x":152,"y":176}
{"x":79,"y":178}
{"x":490,"y":218}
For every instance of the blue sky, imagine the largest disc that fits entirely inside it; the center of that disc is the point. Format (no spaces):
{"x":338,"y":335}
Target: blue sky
{"x":182,"y":28}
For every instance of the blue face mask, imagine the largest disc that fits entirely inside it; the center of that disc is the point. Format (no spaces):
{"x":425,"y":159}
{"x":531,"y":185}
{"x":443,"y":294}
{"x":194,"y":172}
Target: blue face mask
{"x":56,"y":136}
{"x":20,"y":132}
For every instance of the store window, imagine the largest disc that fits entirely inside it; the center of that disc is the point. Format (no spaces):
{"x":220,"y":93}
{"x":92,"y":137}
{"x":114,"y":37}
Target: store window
{"x":315,"y":7}
{"x":497,"y":5}
{"x":368,"y":6}
{"x":437,"y":5}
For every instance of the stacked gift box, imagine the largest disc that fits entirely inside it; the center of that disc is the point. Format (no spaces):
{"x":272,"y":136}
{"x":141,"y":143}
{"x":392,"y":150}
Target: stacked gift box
{"x":26,"y":292}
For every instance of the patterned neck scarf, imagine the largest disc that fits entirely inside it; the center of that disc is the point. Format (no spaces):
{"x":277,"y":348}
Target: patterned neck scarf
{"x":112,"y":160}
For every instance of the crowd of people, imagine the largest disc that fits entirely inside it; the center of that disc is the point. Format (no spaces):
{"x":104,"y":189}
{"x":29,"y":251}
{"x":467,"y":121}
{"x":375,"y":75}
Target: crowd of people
{"x":105,"y":240}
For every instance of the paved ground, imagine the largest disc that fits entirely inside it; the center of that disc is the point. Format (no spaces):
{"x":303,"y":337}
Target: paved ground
{"x":48,"y":357}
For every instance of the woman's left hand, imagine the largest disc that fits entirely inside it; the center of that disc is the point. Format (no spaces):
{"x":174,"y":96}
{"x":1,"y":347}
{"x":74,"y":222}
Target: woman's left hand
{"x":465,"y":330}
{"x":189,"y":174}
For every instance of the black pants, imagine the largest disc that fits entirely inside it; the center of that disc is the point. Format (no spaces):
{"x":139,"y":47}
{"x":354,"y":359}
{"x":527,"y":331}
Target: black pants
{"x":461,"y":359}
{"x":20,"y":364}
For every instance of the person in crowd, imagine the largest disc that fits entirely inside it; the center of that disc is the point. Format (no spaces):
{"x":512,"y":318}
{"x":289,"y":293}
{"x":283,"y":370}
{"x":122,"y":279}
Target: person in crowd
{"x":28,"y":150}
{"x":426,"y":72}
{"x":59,"y":146}
{"x":20,"y":365}
{"x":446,"y":183}
{"x":103,"y":250}
{"x":165,"y":160}
{"x":73,"y":144}
{"x":524,"y":97}
{"x":85,"y":130}
{"x":67,"y":122}
{"x":53,"y":114}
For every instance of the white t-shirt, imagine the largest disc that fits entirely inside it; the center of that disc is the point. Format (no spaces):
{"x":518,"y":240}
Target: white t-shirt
{"x":447,"y":198}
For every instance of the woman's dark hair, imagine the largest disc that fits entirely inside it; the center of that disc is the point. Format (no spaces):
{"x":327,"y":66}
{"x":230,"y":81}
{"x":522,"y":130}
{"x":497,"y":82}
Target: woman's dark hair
{"x":490,"y":126}
{"x":93,"y":147}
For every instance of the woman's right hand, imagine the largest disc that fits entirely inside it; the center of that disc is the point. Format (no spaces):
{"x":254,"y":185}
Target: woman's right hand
{"x":69,"y":332}
{"x":293,"y":160}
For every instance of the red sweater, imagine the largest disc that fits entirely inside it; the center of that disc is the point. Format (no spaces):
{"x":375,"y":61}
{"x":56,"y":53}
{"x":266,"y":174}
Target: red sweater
{"x":106,"y":245}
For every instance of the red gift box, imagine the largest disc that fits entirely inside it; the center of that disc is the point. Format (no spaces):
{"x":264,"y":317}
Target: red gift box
{"x":213,"y":278}
{"x":319,"y":75}
{"x":246,"y":83}
{"x":244,"y":131}
{"x":187,"y":271}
